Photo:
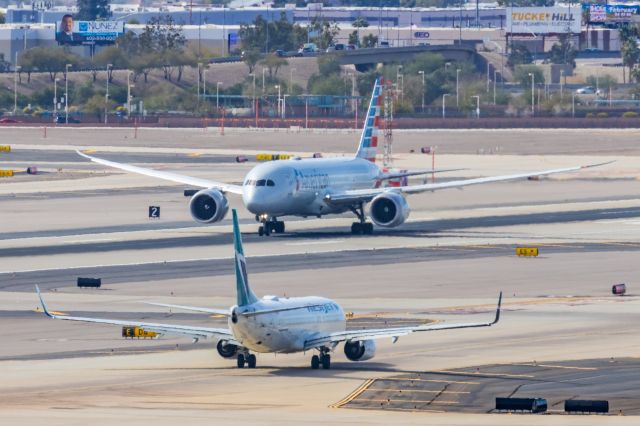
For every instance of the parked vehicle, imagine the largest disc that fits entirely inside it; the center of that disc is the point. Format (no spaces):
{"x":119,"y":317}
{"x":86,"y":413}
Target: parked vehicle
{"x":587,"y":90}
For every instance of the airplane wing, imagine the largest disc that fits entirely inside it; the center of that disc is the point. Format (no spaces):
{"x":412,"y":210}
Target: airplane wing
{"x":396,"y":175}
{"x":173,"y":177}
{"x":184,"y":330}
{"x":214,"y":311}
{"x":359,"y":195}
{"x":380,"y":333}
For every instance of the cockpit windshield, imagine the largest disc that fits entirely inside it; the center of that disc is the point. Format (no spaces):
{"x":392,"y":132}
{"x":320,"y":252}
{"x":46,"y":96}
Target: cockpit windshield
{"x":259,"y":182}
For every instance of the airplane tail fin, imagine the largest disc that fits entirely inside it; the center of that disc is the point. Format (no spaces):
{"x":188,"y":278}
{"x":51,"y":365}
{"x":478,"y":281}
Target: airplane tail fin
{"x":244,"y":294}
{"x":368,"y":147}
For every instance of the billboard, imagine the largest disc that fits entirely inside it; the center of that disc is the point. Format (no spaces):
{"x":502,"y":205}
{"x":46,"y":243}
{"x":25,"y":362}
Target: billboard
{"x":611,"y":14}
{"x":544,"y":20}
{"x":71,"y":32}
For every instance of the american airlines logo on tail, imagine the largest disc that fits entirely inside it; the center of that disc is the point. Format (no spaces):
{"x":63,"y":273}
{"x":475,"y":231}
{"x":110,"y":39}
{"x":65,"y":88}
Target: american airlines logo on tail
{"x":369,"y":140}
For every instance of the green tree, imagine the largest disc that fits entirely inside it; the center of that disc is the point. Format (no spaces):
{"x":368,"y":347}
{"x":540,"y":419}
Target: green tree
{"x":354,"y":39}
{"x":2,"y":18}
{"x":326,"y":32}
{"x":93,"y":10}
{"x":602,"y":82}
{"x":328,"y":64}
{"x":369,"y":40}
{"x":96,"y":104}
{"x":4,"y":64}
{"x":47,"y":59}
{"x":522,"y":75}
{"x":114,"y":55}
{"x":563,"y":52}
{"x":518,"y":55}
{"x":251,"y":58}
{"x":330,"y":85}
{"x":266,"y":36}
{"x":273,"y":64}
{"x":630,"y":54}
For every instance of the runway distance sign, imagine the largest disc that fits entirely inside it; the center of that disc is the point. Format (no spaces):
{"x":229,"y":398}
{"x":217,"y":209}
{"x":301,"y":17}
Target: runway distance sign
{"x":6,"y":173}
{"x":5,"y":148}
{"x":527,"y":251}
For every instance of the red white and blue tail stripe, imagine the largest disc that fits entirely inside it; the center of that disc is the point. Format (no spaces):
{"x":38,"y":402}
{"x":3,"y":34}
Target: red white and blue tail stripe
{"x":369,"y":140}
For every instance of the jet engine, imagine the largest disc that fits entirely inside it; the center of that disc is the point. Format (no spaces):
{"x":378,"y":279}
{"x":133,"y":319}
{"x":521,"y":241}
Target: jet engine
{"x":208,"y":206}
{"x":389,"y":209}
{"x":226,"y":350}
{"x":360,"y":351}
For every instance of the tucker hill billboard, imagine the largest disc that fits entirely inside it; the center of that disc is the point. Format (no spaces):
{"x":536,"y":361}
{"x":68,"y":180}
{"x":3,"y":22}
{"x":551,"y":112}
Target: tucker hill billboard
{"x":71,"y":32}
{"x":544,"y":20}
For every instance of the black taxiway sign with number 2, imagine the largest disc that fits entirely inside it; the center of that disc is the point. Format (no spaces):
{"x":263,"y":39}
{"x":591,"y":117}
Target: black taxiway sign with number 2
{"x":154,"y":212}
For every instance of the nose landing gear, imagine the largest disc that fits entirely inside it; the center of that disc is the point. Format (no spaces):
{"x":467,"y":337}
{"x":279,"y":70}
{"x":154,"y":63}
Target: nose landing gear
{"x":269,"y":225}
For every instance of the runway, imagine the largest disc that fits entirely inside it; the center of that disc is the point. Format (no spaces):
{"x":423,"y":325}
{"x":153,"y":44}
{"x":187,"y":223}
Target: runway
{"x":446,"y":264}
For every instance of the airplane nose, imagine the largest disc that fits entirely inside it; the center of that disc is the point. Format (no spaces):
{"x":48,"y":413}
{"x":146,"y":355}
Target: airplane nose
{"x":254,"y":202}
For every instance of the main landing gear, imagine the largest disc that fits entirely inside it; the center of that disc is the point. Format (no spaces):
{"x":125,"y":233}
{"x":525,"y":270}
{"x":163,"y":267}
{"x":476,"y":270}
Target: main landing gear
{"x":363,"y":227}
{"x":323,"y":359}
{"x":270,"y":225}
{"x":248,"y":359}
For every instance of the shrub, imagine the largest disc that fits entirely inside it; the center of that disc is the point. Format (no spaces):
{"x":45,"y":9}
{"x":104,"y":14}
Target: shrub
{"x":602,"y":115}
{"x":630,"y":114}
{"x":589,"y":115}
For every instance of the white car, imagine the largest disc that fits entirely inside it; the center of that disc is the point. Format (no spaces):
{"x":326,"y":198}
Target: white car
{"x":587,"y":90}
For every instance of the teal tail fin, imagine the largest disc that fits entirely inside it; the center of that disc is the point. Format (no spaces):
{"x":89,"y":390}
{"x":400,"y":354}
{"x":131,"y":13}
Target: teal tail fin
{"x":244,"y":294}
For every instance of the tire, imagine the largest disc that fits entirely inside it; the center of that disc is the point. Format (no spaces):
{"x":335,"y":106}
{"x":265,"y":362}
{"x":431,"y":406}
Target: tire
{"x":251,"y":361}
{"x":241,"y":361}
{"x":279,"y":227}
{"x":267,"y":228}
{"x":368,"y":228}
{"x":261,"y":231}
{"x":326,"y":362}
{"x":315,"y":362}
{"x":356,"y":228}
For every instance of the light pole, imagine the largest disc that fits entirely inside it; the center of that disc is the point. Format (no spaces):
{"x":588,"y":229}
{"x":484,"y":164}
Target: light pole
{"x":15,"y":88}
{"x":279,"y":106}
{"x":494,"y":85}
{"x":458,"y":86}
{"x":422,"y":74}
{"x":106,"y":96}
{"x":291,"y":79}
{"x":444,"y":97}
{"x":284,"y":106}
{"x":129,"y":86}
{"x":533,"y":99}
{"x":199,"y":66}
{"x":253,"y":93}
{"x":477,"y":106}
{"x":561,"y":91}
{"x":263,"y":71}
{"x":398,"y":77}
{"x":218,"y":95}
{"x":55,"y":99}
{"x":204,"y":83}
{"x":573,"y":105}
{"x":66,"y":93}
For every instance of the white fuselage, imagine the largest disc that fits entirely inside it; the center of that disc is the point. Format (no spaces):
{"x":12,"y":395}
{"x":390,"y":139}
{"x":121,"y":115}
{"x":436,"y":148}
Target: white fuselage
{"x":298,"y":187}
{"x":285,"y":331}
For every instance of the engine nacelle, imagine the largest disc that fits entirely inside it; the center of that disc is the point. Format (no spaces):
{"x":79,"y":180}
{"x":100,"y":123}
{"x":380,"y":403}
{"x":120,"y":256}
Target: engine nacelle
{"x":208,"y":206}
{"x":389,"y":209}
{"x":360,"y":351}
{"x":226,"y":350}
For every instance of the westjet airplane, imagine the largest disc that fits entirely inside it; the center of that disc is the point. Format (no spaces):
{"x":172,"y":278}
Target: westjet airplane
{"x":318,"y":186}
{"x":277,"y":324}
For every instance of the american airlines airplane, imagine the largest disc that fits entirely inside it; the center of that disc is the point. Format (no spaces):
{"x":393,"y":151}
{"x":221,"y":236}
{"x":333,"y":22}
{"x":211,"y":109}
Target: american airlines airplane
{"x":318,"y":186}
{"x":277,"y":324}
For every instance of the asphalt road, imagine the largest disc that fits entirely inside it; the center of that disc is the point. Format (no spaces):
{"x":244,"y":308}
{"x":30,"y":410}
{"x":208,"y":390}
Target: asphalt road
{"x":54,"y":278}
{"x":474,"y":389}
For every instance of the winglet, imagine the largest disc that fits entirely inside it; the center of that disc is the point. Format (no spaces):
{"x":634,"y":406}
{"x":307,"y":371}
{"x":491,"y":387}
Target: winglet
{"x":82,"y":154}
{"x":44,"y":305}
{"x":495,"y":321}
{"x":588,"y":166}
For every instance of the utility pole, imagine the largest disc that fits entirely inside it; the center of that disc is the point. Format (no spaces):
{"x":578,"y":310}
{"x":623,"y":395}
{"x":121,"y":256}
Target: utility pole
{"x":66,"y":93}
{"x":106,"y":97}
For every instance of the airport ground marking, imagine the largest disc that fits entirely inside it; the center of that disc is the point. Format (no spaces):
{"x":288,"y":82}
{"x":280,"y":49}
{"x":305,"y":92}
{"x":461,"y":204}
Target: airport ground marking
{"x":407,"y":390}
{"x":478,"y":373}
{"x":419,"y":401}
{"x":430,"y":380}
{"x":568,"y":367}
{"x":357,"y":392}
